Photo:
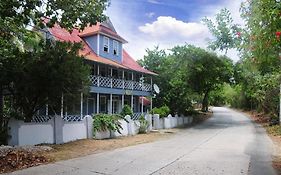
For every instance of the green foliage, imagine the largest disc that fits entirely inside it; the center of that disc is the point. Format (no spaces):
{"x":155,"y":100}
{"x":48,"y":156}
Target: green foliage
{"x":261,"y":44}
{"x":143,"y":125}
{"x":188,"y":74}
{"x":45,"y":74}
{"x":107,"y":122}
{"x":227,"y":34}
{"x":162,"y":111}
{"x":66,"y":13}
{"x":126,"y":111}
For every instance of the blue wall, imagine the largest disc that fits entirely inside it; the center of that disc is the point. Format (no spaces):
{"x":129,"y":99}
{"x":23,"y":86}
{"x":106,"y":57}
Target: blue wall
{"x":92,"y":41}
{"x":110,"y":54}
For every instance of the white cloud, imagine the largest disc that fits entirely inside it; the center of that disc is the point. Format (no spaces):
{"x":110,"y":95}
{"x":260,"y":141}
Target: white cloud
{"x":153,"y":1}
{"x":173,"y":32}
{"x":150,"y":15}
{"x":169,"y":27}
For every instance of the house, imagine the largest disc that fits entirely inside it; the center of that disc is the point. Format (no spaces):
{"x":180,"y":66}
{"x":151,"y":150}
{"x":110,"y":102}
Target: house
{"x":116,"y":79}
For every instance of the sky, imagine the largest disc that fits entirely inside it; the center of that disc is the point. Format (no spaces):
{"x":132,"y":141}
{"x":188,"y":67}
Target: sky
{"x":167,"y":23}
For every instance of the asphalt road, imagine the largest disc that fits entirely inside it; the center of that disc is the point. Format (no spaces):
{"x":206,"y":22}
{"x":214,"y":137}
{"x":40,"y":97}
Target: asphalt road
{"x":228,"y":143}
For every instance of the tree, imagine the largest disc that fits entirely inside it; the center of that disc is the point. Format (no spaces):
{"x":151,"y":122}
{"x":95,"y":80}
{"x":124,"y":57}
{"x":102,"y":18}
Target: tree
{"x":44,"y":75}
{"x":19,"y":56}
{"x":262,"y":41}
{"x":205,"y":71}
{"x":227,"y":35}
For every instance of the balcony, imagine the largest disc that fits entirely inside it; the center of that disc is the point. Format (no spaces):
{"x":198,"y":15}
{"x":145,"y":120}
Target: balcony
{"x":108,"y":82}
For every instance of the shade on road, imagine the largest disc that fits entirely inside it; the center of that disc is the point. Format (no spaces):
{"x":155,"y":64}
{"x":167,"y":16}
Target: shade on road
{"x":227,"y":143}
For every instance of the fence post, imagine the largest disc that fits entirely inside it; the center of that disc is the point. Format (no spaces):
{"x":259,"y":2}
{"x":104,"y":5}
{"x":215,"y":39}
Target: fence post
{"x":156,"y":121}
{"x":89,"y":126}
{"x":129,"y":124}
{"x":148,"y":117}
{"x":58,"y":129}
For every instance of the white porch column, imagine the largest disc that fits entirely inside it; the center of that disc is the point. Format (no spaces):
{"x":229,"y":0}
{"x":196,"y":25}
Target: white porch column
{"x":123,"y":81}
{"x":111,"y":77}
{"x":132,"y":103}
{"x":81,"y":105}
{"x":61,"y":109}
{"x":151,"y":93}
{"x":142,"y":105}
{"x":122,"y":101}
{"x":110,"y":103}
{"x":133,"y":83}
{"x":98,"y":103}
{"x":47,"y":109}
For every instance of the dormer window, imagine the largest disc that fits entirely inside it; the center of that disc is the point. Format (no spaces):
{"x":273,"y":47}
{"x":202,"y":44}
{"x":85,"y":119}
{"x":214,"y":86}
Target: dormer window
{"x":105,"y":44}
{"x":115,"y":47}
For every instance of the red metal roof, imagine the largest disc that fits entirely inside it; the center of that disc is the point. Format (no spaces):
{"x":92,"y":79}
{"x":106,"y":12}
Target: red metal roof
{"x":127,"y":62}
{"x":99,"y":28}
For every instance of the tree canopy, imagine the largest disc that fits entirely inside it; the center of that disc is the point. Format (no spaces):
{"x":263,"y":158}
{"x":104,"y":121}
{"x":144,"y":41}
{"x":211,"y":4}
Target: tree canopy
{"x":186,"y":75}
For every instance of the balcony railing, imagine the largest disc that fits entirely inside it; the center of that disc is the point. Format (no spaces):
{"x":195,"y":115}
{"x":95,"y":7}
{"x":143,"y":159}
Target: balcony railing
{"x":119,"y":83}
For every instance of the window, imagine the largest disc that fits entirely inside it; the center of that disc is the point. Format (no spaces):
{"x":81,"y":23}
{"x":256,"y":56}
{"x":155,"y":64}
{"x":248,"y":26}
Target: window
{"x":105,"y":44}
{"x":115,"y":47}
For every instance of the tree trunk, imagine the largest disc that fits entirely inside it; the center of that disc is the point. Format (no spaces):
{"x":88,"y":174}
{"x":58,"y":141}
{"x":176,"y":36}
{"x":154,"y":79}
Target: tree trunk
{"x":205,"y":102}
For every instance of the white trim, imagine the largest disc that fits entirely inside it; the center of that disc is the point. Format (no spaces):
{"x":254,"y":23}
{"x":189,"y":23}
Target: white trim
{"x":110,"y":36}
{"x":104,"y":44}
{"x":116,"y":44}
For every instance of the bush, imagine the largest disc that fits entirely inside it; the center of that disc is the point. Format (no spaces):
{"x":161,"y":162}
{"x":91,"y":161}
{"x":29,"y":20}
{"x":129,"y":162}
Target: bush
{"x":143,"y":125}
{"x":104,"y":122}
{"x":162,"y":111}
{"x":126,"y":111}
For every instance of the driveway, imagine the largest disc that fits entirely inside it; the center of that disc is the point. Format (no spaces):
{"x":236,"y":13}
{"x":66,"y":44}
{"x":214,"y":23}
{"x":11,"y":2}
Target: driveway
{"x":228,"y":143}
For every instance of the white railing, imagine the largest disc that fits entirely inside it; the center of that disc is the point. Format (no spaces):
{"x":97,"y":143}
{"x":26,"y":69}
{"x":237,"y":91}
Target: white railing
{"x":73,"y":118}
{"x":119,"y":83}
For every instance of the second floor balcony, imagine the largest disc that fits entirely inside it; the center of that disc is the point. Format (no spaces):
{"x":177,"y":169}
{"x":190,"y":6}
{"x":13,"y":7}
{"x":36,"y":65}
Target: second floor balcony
{"x":109,"y":82}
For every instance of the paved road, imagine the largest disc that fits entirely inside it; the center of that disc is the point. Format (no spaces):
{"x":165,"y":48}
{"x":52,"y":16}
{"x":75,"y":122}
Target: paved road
{"x":227,"y":143}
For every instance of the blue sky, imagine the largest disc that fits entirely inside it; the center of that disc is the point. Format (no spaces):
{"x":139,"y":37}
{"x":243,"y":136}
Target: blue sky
{"x":148,"y":23}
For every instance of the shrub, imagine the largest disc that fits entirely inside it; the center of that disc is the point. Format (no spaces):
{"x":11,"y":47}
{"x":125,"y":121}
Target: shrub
{"x":143,"y":125}
{"x":162,"y":111}
{"x":104,"y":122}
{"x":126,"y":111}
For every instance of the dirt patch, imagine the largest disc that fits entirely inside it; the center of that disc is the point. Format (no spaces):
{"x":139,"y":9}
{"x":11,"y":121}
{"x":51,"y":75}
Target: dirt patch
{"x":15,"y":158}
{"x":90,"y":146}
{"x":274,"y":132}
